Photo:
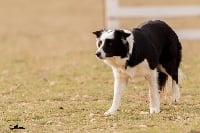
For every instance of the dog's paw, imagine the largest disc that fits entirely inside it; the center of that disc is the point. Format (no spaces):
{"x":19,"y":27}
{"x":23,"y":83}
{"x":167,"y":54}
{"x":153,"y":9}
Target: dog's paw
{"x":109,"y":112}
{"x":154,"y":110}
{"x":176,"y":96}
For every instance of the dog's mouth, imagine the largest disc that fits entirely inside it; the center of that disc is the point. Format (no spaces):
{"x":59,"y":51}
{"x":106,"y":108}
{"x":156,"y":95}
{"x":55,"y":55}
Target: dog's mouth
{"x":101,"y":56}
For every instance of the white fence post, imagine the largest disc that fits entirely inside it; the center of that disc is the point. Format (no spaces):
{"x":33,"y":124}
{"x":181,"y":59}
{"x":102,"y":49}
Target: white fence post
{"x":111,"y":8}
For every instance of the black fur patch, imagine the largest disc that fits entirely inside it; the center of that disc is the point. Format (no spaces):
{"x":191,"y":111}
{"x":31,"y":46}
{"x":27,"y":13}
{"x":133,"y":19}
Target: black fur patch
{"x":143,"y":48}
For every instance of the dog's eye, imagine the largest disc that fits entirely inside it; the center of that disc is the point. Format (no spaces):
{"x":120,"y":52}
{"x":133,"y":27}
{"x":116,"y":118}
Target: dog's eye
{"x":99,"y":43}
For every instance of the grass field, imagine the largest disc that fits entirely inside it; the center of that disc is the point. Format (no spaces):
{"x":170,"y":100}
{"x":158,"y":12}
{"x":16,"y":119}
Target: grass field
{"x":50,"y":80}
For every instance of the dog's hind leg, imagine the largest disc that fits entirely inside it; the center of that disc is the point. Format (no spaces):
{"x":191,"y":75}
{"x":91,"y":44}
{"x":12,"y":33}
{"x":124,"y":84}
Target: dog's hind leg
{"x":175,"y":88}
{"x":173,"y":72}
{"x":175,"y":91}
{"x":119,"y":85}
{"x":154,"y":91}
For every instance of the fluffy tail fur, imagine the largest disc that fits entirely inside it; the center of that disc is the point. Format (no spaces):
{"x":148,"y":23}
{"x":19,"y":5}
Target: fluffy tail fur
{"x":162,"y":79}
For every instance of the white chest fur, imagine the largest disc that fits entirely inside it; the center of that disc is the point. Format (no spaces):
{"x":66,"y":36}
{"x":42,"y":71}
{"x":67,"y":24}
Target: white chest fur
{"x":118,"y":64}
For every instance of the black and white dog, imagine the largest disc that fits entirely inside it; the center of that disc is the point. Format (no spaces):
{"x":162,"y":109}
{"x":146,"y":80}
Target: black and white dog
{"x":152,"y":49}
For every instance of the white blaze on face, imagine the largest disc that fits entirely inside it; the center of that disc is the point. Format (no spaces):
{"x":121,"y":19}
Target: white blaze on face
{"x":105,"y":35}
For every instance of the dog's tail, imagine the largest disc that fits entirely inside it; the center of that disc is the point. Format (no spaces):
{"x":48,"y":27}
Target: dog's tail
{"x":162,"y":79}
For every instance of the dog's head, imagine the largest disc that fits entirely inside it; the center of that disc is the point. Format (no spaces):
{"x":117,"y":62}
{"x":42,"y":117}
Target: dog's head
{"x":112,"y":43}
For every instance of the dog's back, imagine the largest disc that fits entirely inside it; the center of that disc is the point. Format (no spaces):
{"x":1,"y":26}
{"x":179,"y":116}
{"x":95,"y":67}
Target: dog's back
{"x":164,"y":39}
{"x":168,"y":47}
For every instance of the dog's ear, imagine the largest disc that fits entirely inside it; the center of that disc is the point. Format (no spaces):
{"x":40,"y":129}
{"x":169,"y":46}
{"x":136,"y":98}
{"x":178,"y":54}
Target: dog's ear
{"x":122,"y":34}
{"x":98,"y":33}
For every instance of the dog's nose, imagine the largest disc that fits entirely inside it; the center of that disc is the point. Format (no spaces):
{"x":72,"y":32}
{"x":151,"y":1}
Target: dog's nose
{"x":98,"y":54}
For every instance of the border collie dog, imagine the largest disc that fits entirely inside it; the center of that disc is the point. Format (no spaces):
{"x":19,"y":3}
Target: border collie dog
{"x":152,"y":50}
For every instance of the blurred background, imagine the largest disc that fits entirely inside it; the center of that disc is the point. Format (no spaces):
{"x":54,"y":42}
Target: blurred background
{"x":48,"y":27}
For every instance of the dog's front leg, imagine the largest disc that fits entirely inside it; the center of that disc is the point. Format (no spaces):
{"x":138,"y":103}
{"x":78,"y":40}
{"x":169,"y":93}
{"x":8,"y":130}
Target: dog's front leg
{"x":120,"y":81}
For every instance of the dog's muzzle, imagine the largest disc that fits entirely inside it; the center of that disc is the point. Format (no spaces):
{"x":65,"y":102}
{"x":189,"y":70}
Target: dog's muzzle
{"x":98,"y":54}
